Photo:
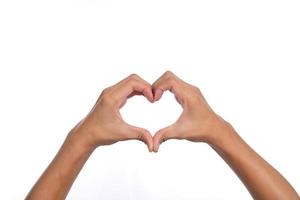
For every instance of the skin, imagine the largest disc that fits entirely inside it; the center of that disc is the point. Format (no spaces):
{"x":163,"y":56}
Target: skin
{"x":197,"y":123}
{"x":102,"y":126}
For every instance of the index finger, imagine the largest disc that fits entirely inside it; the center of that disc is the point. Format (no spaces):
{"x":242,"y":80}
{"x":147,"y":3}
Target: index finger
{"x":168,"y":81}
{"x":130,"y":86}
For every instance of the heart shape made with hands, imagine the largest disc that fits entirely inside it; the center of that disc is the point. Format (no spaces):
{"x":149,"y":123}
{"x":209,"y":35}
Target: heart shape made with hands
{"x":138,"y":111}
{"x":185,"y":127}
{"x":134,"y":85}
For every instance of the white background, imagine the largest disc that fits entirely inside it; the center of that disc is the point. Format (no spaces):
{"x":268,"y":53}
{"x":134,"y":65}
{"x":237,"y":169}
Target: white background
{"x":57,"y":56}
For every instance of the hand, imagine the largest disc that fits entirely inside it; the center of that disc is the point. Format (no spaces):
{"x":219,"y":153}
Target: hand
{"x":104,"y":124}
{"x":197,"y":123}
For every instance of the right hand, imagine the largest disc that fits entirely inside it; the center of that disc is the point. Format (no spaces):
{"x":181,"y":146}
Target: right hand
{"x":197,"y":123}
{"x":104,"y":124}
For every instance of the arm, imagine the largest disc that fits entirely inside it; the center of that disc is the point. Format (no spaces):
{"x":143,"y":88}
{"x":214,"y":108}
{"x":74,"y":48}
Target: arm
{"x":102,"y":126}
{"x":259,"y":177}
{"x":198,"y":123}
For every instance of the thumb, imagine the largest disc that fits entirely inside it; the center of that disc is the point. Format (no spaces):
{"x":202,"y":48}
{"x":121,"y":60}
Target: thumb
{"x":141,"y":134}
{"x":163,"y":135}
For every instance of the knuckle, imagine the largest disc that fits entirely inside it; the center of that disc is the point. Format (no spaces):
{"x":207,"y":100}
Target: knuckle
{"x":107,"y":99}
{"x":163,"y":137}
{"x":132,"y":81}
{"x":141,"y":136}
{"x":133,"y":76}
{"x":104,"y":92}
{"x":163,"y":140}
{"x":196,"y":88}
{"x":168,"y":73}
{"x":171,"y":80}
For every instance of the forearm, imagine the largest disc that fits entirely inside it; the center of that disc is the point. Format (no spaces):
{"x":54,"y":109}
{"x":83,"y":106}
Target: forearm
{"x":102,"y":126}
{"x":260,"y":178}
{"x":58,"y":178}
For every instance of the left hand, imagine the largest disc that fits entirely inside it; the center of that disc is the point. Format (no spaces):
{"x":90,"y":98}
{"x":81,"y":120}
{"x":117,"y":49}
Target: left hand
{"x":197,"y":122}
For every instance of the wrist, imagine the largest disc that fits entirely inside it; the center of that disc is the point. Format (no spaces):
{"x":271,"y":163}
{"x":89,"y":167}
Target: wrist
{"x":222,"y":134}
{"x":86,"y":132}
{"x":81,"y":140}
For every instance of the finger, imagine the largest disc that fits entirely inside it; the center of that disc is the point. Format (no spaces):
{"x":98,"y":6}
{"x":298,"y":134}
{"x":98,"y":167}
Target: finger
{"x":148,"y":92}
{"x":157,"y":92}
{"x":122,"y":104}
{"x":163,"y":135}
{"x":168,"y":81}
{"x":132,"y":86}
{"x":134,"y":93}
{"x":141,"y":134}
